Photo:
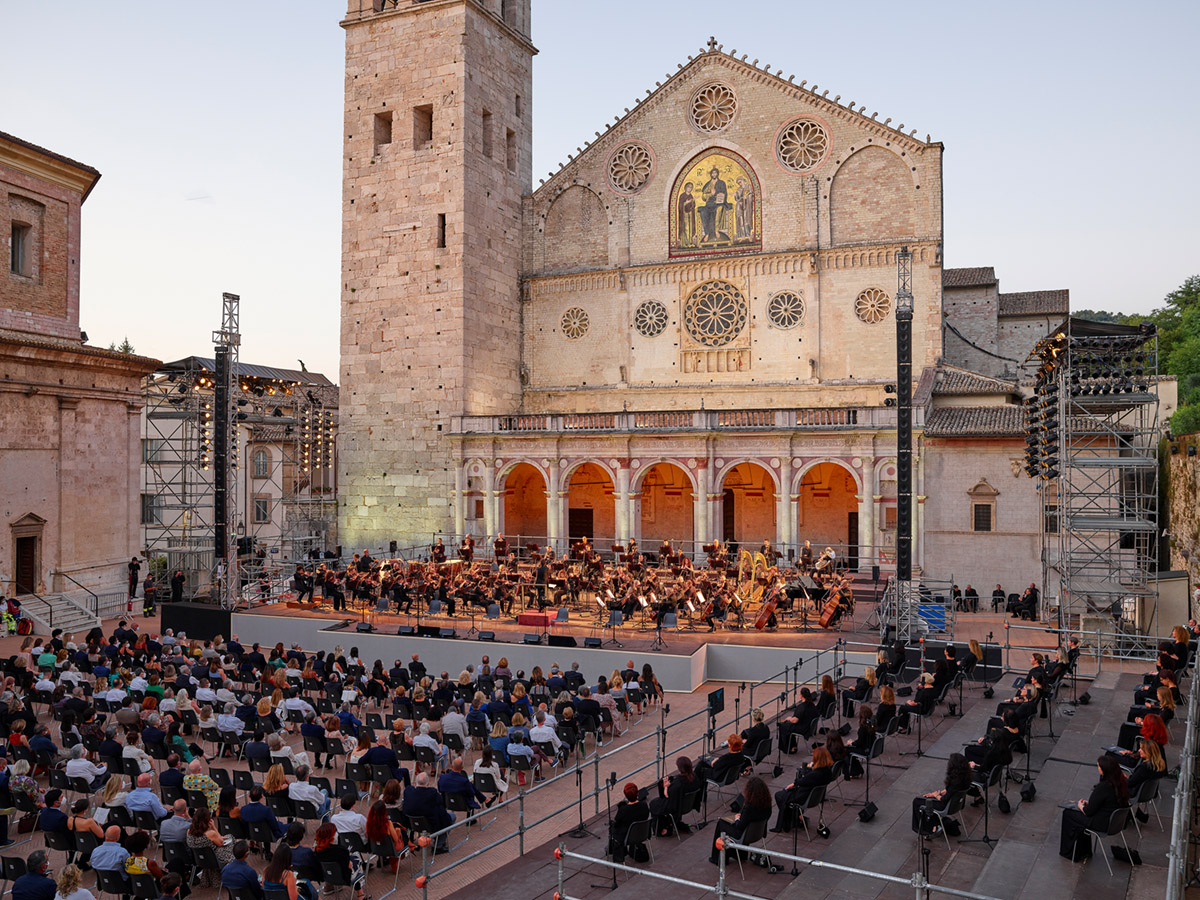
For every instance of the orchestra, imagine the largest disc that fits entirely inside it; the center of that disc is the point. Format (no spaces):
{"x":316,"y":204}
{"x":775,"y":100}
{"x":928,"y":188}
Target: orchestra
{"x":736,"y":590}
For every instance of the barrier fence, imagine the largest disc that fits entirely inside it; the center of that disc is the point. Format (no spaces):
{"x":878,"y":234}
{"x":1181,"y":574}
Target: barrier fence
{"x":825,"y":661}
{"x":918,"y":882}
{"x":1183,"y":871}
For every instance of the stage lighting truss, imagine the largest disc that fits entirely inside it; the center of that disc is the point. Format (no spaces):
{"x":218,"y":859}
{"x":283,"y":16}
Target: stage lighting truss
{"x":1092,"y":432}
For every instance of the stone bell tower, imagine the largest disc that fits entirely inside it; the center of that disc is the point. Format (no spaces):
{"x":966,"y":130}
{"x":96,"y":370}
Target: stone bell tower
{"x":438,"y":138}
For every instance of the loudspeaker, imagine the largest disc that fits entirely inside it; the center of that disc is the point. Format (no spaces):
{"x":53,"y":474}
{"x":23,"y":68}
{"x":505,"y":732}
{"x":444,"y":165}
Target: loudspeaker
{"x":201,"y":621}
{"x":867,"y":813}
{"x":405,"y":631}
{"x":563,"y":640}
{"x":447,"y":633}
{"x":988,"y":693}
{"x":875,"y":573}
{"x":1028,"y":791}
{"x":429,"y":631}
{"x":391,"y":546}
{"x":365,"y":627}
{"x":592,"y":643}
{"x":531,"y":639}
{"x":1084,"y":699}
{"x":487,"y":635}
{"x":338,"y":551}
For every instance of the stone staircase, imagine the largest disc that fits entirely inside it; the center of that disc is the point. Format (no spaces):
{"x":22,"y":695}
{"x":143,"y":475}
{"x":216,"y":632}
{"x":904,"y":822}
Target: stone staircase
{"x":50,"y":611}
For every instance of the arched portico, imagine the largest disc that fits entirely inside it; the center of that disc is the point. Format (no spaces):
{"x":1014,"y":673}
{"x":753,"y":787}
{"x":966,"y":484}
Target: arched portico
{"x":665,"y":499}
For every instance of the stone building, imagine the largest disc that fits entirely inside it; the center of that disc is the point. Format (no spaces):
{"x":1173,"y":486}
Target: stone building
{"x":686,"y":332}
{"x":68,"y":411}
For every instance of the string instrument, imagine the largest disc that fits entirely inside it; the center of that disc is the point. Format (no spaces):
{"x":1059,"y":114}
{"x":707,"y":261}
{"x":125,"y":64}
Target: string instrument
{"x":768,"y":610}
{"x":830,"y":610}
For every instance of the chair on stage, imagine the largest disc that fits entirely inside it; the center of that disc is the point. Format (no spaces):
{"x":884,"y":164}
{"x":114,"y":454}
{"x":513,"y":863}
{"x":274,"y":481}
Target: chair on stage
{"x":815,"y":799}
{"x":1118,"y":821}
{"x":954,"y":804}
{"x":493,"y":611}
{"x":562,"y":617}
{"x":615,"y":619}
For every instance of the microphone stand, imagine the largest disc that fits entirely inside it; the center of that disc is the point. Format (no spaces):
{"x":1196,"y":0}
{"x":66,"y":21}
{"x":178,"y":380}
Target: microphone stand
{"x":608,"y":786}
{"x":580,"y":830}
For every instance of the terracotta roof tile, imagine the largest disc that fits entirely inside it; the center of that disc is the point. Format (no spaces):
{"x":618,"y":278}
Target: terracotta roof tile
{"x":1035,"y":303}
{"x":952,"y":380}
{"x":976,"y":421}
{"x":980,"y":276}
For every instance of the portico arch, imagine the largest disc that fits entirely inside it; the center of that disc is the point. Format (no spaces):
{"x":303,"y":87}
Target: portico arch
{"x":591,"y":503}
{"x":667,"y":513}
{"x":747,"y":504}
{"x":524,"y":504}
{"x":828,"y":508}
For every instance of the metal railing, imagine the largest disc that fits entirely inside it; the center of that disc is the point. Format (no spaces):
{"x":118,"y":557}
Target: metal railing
{"x":826,"y":662}
{"x":917,"y":881}
{"x":1184,"y":806}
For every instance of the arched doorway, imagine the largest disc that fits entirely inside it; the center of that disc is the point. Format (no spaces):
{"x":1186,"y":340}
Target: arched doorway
{"x":591,"y":506}
{"x":667,"y":507}
{"x":524,"y":505}
{"x":827,"y":514}
{"x":748,"y":505}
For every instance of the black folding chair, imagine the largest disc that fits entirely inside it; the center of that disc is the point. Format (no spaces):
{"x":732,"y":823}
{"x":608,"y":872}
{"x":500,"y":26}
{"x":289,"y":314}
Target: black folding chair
{"x":1118,"y":821}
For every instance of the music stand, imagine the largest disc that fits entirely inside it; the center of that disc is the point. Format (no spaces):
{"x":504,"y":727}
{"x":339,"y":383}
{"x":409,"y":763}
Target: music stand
{"x":615,"y":618}
{"x":658,"y":643}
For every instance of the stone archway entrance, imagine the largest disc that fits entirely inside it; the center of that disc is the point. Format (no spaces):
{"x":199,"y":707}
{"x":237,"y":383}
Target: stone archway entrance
{"x":524,"y":505}
{"x":667,"y":507}
{"x":748,"y":505}
{"x":591,"y":506}
{"x":827,"y":512}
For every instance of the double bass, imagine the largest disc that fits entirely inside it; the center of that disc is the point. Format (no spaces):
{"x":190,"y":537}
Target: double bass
{"x":767,"y":611}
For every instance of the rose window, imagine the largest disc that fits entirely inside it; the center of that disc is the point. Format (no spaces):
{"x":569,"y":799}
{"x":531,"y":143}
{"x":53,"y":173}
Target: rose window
{"x":715,"y":313}
{"x":802,"y":145}
{"x":713,"y":108}
{"x":872,"y":306}
{"x":630,"y":167}
{"x":575,"y":323}
{"x":786,"y":309}
{"x":650,"y":319}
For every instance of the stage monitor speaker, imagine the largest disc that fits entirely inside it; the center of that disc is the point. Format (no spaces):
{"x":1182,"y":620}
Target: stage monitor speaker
{"x":593,"y":643}
{"x":429,"y":631}
{"x":406,"y":631}
{"x":563,"y":640}
{"x":392,"y":547}
{"x":447,"y":633}
{"x":364,"y":627}
{"x":201,"y":621}
{"x":875,"y":573}
{"x":487,"y":635}
{"x":867,"y":813}
{"x":338,"y":551}
{"x":531,"y":639}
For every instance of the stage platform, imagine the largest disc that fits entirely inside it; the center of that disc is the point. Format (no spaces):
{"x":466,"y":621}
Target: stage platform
{"x":1023,"y":865}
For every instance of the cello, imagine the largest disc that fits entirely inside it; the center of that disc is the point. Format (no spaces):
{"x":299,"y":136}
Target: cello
{"x":768,"y":610}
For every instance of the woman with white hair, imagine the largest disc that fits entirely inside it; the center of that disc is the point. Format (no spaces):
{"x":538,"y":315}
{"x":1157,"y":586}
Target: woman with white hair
{"x":280,"y":750}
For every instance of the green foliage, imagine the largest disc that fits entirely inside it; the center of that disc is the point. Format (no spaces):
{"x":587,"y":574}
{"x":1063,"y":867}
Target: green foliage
{"x":125,"y":346}
{"x":158,"y":568}
{"x":1099,"y":315}
{"x":1186,"y":420}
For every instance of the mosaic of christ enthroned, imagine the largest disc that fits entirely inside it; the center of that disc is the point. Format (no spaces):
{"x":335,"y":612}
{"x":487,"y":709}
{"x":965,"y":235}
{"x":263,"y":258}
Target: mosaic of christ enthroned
{"x":716,"y":207}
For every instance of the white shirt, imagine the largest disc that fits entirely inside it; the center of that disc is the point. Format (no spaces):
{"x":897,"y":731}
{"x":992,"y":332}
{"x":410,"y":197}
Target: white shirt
{"x":138,"y":683}
{"x":77,"y":894}
{"x":302,"y":790}
{"x":84,"y":768}
{"x":44,"y":685}
{"x":115,"y":695}
{"x":494,"y":771}
{"x":140,"y":755}
{"x":347,"y":821}
{"x":427,"y":740}
{"x":455,"y":722}
{"x":206,"y":695}
{"x":230,"y":723}
{"x":298,"y":703}
{"x":167,"y":705}
{"x":544,"y":734}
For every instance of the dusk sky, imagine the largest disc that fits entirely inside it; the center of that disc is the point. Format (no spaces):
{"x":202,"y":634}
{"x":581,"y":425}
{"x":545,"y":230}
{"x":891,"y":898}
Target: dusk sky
{"x":1070,"y":133}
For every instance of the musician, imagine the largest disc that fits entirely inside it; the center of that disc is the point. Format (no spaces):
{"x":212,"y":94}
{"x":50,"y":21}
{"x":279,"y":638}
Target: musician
{"x":438,"y":551}
{"x":304,"y":584}
{"x":630,"y":811}
{"x":770,"y":554}
{"x":464,"y":551}
{"x":758,"y":730}
{"x":817,"y":773}
{"x":500,"y":547}
{"x":718,"y":768}
{"x":998,"y":596}
{"x":806,"y":558}
{"x":541,"y":575}
{"x":665,"y":555}
{"x":971,"y":599}
{"x":717,"y":610}
{"x":333,"y":589}
{"x":365,"y":562}
{"x":1110,"y":794}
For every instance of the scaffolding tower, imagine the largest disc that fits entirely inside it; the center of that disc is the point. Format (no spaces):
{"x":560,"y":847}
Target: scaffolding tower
{"x":1092,"y":435}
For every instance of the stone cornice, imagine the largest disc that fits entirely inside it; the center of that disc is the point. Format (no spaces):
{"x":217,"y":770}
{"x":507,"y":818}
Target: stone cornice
{"x":794,"y":261}
{"x":367,"y":12}
{"x":46,"y":165}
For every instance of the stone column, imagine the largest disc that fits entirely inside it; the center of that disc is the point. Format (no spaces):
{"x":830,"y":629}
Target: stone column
{"x":554,"y":501}
{"x":460,"y":501}
{"x":700,"y":532}
{"x":491,"y":519}
{"x":866,"y":528}
{"x":622,"y":503}
{"x":877,"y":534}
{"x":783,"y":520}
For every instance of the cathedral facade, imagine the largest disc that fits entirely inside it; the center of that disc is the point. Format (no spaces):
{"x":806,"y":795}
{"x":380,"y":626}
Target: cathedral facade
{"x":686,"y":333}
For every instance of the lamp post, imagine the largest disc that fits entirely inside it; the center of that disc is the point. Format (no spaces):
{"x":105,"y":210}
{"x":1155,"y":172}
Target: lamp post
{"x":904,"y":316}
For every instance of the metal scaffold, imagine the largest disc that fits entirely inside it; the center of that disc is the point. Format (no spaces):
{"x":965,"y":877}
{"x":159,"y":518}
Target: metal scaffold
{"x":238,"y":470}
{"x":1092,"y":435}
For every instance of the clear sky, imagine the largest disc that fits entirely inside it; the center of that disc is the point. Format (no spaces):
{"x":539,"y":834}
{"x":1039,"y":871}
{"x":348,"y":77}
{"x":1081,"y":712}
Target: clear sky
{"x":1070,"y":129}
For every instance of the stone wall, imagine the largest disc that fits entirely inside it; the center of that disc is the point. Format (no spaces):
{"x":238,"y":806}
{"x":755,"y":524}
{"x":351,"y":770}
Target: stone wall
{"x":437,"y":157}
{"x":1183,"y":505}
{"x":973,"y":311}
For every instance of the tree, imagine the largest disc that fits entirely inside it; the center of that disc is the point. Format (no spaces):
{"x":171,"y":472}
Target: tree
{"x":1186,"y":420}
{"x":125,"y":347}
{"x":1099,"y":315}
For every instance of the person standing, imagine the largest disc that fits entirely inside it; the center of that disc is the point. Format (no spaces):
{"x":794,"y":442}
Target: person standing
{"x":177,"y":582}
{"x":135,"y":570}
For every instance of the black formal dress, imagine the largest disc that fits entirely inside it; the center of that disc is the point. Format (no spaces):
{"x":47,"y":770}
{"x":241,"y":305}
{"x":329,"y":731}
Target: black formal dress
{"x":806,"y":779}
{"x":718,"y":769}
{"x":1073,"y":843}
{"x":952,"y":787}
{"x":806,"y":714}
{"x":668,"y":808}
{"x":627,"y":814}
{"x":736,"y":826}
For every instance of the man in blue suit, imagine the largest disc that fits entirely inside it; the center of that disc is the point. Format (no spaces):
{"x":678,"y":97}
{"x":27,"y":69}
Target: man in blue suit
{"x":238,"y":875}
{"x":383,"y":755}
{"x":455,"y":781}
{"x":421,"y":799}
{"x":257,"y":811}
